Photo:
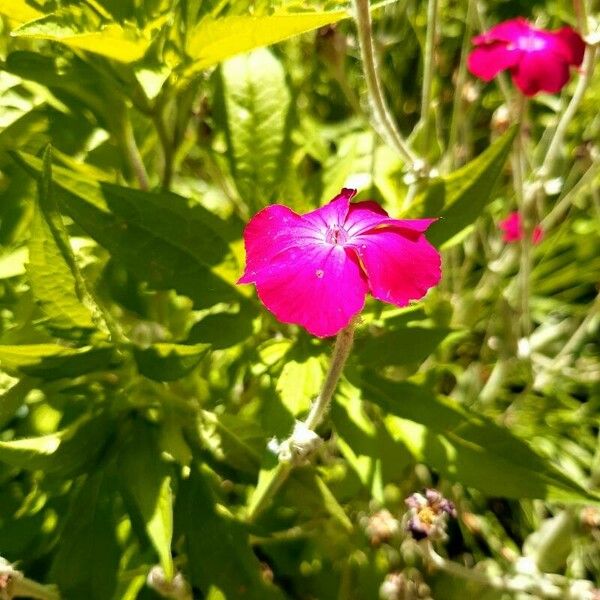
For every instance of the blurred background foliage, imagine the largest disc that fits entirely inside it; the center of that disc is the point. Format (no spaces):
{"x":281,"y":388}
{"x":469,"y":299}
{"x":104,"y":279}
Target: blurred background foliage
{"x":140,"y":385}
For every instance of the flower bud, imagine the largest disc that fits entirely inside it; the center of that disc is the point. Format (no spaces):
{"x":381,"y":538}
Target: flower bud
{"x":177,"y":588}
{"x":428,"y":515}
{"x":381,"y":527}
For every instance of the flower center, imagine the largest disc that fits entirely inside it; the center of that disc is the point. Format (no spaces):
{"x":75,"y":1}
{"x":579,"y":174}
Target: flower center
{"x":531,"y":43}
{"x":336,"y":235}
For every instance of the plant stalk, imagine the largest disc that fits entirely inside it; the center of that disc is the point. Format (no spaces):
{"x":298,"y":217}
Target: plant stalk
{"x":318,"y":410}
{"x":383,"y":121}
{"x":428,"y":63}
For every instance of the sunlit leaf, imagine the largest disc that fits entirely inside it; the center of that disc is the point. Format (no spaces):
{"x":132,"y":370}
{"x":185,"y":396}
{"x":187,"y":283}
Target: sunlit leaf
{"x":215,"y":40}
{"x":257,"y":104}
{"x":124,"y":44}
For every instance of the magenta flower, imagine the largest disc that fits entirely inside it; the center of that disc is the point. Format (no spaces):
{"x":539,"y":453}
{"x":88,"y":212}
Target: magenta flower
{"x":512,"y":227}
{"x":538,"y":60}
{"x":316,"y":269}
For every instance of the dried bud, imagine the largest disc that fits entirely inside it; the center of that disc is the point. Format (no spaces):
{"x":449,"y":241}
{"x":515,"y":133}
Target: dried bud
{"x":331,"y":46}
{"x":404,"y":586}
{"x":176,"y":589}
{"x":501,"y":119}
{"x":590,"y":517}
{"x":381,"y":527}
{"x":428,"y":515}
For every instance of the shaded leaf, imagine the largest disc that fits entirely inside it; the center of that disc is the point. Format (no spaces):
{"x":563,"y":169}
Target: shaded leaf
{"x":158,"y":236}
{"x":168,"y":362}
{"x":407,"y":345}
{"x":51,"y":268}
{"x":147,"y":482}
{"x":459,"y":198}
{"x":222,"y":330}
{"x":52,"y":361}
{"x":87,"y":559}
{"x":64,"y":453}
{"x":217,"y":546}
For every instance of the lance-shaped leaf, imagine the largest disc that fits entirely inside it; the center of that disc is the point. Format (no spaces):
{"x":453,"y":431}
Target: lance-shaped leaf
{"x":159,"y":236}
{"x":146,"y":483}
{"x":53,"y":273}
{"x":215,"y":40}
{"x":65,"y":453}
{"x":459,"y":198}
{"x":19,"y":11}
{"x":124,"y":44}
{"x":217,"y":546}
{"x":467,"y":447}
{"x":87,"y":559}
{"x":52,"y":361}
{"x":257,"y":108}
{"x":168,"y":362}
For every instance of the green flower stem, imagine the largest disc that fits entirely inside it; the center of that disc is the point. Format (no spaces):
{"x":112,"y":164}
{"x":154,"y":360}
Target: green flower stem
{"x":557,"y":142}
{"x":382,"y":118}
{"x":428,"y":63}
{"x":167,"y":147}
{"x":341,"y":351}
{"x":461,"y":78}
{"x":132,"y":153}
{"x":318,"y":410}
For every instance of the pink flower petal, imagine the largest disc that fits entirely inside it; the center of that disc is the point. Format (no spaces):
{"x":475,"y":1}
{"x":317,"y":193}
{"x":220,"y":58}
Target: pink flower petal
{"x":537,"y":235}
{"x":488,"y":60}
{"x":332,"y":214}
{"x":512,"y":227}
{"x":507,"y":31}
{"x":399,"y":267}
{"x":320,"y":287}
{"x":540,"y":71}
{"x":363,"y":216}
{"x":570,"y":45}
{"x":272,"y":231}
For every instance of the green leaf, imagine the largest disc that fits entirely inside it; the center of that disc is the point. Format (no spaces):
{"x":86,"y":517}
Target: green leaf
{"x":51,"y":361}
{"x":300,"y":382}
{"x":168,"y":362}
{"x":404,"y":346}
{"x":459,"y":198}
{"x":124,"y":44}
{"x":146,"y":481}
{"x":12,"y":263}
{"x":19,"y":11}
{"x":368,"y":447}
{"x":64,"y":453}
{"x":217,"y":546}
{"x":257,"y":104}
{"x":215,"y":40}
{"x":467,"y":447}
{"x":52,"y":267}
{"x":222,"y":330}
{"x":233,"y":440}
{"x":13,"y":397}
{"x":161,"y":237}
{"x":87,"y":559}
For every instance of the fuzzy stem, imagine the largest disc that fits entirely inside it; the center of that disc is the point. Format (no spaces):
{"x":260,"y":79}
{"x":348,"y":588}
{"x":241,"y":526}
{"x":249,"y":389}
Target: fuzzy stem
{"x":557,"y":142}
{"x":133,"y":154}
{"x":428,"y":63}
{"x":318,"y":410}
{"x":167,"y":148}
{"x":341,"y":351}
{"x":382,"y":118}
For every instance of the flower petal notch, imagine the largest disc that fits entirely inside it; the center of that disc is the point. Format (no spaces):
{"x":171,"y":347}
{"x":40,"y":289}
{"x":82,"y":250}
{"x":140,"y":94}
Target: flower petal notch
{"x":512,"y":228}
{"x":315,"y":270}
{"x":538,"y":60}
